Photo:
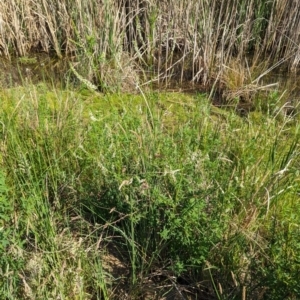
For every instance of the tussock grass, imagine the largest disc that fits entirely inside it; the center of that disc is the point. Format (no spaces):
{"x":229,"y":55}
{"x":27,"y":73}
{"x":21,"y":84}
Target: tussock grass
{"x":110,"y":195}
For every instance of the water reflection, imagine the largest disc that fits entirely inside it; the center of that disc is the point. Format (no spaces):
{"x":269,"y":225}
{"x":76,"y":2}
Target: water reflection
{"x":33,"y":69}
{"x":43,"y":67}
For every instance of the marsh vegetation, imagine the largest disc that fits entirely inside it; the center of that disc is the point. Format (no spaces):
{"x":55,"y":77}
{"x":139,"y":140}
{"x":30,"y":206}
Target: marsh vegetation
{"x":111,"y":189}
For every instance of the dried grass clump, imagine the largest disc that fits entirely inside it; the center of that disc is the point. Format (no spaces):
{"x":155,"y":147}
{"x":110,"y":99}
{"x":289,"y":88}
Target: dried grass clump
{"x":114,"y":75}
{"x":238,"y":81}
{"x":240,"y":84}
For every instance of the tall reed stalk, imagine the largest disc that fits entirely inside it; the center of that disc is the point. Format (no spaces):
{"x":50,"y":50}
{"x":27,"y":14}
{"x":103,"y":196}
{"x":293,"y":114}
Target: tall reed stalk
{"x":190,"y":40}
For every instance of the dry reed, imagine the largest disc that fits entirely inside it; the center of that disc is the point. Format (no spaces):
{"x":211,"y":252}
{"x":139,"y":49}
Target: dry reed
{"x":188,"y":40}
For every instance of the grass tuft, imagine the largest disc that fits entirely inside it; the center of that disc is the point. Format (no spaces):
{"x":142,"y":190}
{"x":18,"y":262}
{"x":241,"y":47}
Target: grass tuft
{"x":104,"y":195}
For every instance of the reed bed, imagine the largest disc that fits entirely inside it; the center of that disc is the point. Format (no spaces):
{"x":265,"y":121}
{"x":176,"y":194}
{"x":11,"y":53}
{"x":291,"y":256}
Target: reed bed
{"x":186,"y":40}
{"x":149,"y":196}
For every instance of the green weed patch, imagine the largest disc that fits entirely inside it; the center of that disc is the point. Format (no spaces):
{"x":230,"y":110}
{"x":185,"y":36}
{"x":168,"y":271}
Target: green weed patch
{"x":106,"y":193}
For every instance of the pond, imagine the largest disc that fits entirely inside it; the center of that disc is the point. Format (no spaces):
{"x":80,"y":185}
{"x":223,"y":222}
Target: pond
{"x":42,"y":67}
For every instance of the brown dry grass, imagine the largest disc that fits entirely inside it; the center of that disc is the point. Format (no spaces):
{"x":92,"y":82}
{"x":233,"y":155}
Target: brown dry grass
{"x":186,"y":40}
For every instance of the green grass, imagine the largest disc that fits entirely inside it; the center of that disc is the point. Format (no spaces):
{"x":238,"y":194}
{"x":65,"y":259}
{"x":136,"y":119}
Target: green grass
{"x":164,"y":183}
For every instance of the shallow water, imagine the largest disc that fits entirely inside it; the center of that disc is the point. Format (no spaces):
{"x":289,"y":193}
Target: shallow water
{"x":34,"y":69}
{"x":46,"y":68}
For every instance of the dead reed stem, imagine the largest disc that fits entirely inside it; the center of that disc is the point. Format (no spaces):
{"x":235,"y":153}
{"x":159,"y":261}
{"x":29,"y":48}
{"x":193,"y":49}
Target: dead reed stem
{"x":202,"y":35}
